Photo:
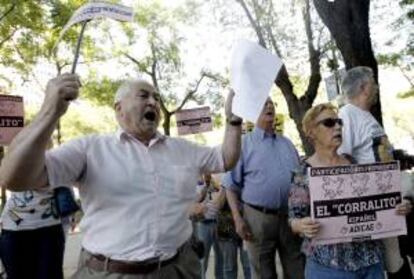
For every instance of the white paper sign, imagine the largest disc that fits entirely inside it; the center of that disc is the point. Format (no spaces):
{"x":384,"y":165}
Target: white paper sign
{"x":253,"y":71}
{"x":99,"y":9}
{"x":194,"y":121}
{"x":331,"y":83}
{"x":356,"y":202}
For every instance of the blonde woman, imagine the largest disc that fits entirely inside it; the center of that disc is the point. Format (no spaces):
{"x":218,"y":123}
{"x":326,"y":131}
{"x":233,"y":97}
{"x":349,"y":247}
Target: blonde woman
{"x":336,"y":261}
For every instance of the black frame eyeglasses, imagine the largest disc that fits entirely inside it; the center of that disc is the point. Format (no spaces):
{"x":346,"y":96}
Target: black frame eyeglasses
{"x":331,"y":122}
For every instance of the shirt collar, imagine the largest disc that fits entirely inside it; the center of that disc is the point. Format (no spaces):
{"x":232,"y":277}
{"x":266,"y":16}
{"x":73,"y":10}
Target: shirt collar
{"x":261,"y":134}
{"x":123,"y":136}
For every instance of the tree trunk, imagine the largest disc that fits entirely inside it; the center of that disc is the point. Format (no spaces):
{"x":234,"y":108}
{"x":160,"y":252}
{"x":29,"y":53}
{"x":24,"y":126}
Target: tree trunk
{"x":167,"y":123}
{"x":348,"y":22}
{"x":298,"y":107}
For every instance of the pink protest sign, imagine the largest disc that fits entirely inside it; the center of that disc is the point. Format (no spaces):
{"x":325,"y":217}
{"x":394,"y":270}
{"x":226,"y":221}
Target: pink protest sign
{"x":356,"y":202}
{"x":194,"y":121}
{"x":11,"y":117}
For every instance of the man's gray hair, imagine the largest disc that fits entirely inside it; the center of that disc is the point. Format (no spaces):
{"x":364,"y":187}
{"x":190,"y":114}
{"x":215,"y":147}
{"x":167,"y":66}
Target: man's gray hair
{"x":126,"y":88}
{"x":354,"y":79}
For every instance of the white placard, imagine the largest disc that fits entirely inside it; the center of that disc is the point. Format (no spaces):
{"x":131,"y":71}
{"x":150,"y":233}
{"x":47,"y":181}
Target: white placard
{"x":194,"y":121}
{"x":356,"y":202}
{"x":331,"y":83}
{"x":99,"y":9}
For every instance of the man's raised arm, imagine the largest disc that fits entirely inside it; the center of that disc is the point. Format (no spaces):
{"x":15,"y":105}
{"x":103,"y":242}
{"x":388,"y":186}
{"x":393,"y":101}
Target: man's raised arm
{"x":23,"y":167}
{"x":232,"y":136}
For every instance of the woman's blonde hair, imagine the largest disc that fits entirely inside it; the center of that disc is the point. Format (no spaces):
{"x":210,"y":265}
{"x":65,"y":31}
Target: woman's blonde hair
{"x":312,"y":114}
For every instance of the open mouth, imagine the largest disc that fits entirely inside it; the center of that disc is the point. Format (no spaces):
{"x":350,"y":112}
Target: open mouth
{"x":338,"y":137}
{"x":150,"y":115}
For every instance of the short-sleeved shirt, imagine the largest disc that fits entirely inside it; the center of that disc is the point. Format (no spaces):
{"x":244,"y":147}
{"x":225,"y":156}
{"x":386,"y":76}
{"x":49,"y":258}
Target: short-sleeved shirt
{"x":264,"y":170}
{"x":363,"y":137}
{"x":350,"y":256}
{"x":30,"y":210}
{"x":135,"y":198}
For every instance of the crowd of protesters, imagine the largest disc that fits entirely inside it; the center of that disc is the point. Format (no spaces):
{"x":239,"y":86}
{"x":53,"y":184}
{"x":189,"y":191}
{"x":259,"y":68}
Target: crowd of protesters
{"x":147,"y":213}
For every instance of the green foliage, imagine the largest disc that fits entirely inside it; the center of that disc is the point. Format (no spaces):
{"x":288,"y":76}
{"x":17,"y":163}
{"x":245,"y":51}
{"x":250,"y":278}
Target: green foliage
{"x":156,"y":32}
{"x":100,"y":91}
{"x":163,"y":46}
{"x":409,"y":4}
{"x":19,"y":24}
{"x":83,"y":119}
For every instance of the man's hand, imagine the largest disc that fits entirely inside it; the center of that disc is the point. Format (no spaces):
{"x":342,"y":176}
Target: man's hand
{"x":228,"y":109}
{"x":59,"y":92}
{"x":404,"y":208}
{"x":197,"y":210}
{"x":243,"y":229}
{"x":305,"y":226}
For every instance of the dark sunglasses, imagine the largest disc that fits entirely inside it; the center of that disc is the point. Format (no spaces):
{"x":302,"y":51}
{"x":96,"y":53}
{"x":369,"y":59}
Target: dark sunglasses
{"x":330,"y":122}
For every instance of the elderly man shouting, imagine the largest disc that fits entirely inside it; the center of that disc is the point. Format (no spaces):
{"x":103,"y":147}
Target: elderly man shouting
{"x":136,"y":185}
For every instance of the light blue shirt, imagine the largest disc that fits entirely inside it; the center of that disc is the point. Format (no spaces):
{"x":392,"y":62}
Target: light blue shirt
{"x":264,"y":171}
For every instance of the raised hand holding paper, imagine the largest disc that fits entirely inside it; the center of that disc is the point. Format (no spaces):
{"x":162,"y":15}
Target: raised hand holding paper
{"x":253,"y":70}
{"x":92,"y":10}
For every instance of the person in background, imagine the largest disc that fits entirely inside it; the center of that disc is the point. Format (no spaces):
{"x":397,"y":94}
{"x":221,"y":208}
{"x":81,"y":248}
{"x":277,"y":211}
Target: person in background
{"x":366,"y":141}
{"x":32,"y":241}
{"x":231,"y":245}
{"x":211,"y":197}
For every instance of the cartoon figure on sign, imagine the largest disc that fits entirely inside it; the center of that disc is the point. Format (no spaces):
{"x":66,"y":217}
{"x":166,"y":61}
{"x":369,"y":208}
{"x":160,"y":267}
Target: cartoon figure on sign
{"x":383,"y":182}
{"x":332,"y":187}
{"x":359,"y":184}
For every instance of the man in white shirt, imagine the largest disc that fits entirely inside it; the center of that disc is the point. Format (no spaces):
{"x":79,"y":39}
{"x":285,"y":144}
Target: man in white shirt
{"x":136,"y":185}
{"x":366,"y":141}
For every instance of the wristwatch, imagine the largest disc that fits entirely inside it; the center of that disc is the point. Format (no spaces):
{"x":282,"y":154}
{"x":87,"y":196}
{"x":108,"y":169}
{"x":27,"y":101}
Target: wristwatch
{"x":234,"y":121}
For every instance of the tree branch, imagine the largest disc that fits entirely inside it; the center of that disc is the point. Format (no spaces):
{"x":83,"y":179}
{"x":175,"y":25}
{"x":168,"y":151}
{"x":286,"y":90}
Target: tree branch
{"x":7,"y":37}
{"x":255,"y":26}
{"x":314,"y":58}
{"x":154,"y":79}
{"x":28,"y":68}
{"x":190,"y":93}
{"x":405,"y":74}
{"x":6,"y":13}
{"x":138,"y":63}
{"x":273,"y":40}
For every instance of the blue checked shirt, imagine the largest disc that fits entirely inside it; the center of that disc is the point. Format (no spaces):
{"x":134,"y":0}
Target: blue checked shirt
{"x":264,"y":171}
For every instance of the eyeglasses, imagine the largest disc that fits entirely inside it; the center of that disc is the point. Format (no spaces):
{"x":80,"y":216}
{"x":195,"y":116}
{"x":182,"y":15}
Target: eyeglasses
{"x":330,"y":122}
